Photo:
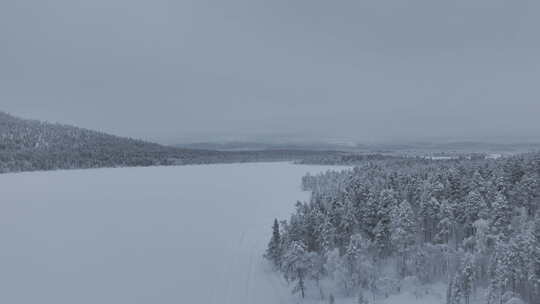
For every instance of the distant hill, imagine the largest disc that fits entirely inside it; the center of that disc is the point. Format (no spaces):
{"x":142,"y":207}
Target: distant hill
{"x":262,"y":146}
{"x":27,"y":145}
{"x":436,"y":147}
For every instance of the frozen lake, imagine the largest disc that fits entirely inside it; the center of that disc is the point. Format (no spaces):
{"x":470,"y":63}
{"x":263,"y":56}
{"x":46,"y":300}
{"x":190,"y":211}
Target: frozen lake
{"x":188,"y":234}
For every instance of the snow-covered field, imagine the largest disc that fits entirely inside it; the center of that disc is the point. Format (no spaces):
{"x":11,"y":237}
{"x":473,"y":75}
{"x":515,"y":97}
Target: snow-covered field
{"x":189,"y":234}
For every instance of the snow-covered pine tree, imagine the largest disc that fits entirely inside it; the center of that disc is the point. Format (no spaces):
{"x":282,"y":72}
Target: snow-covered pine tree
{"x":468,"y":278}
{"x":331,"y":299}
{"x":501,"y":219}
{"x":471,"y":207}
{"x":382,"y":231}
{"x":403,"y":234}
{"x":360,"y":299}
{"x":429,"y":211}
{"x":534,"y":277}
{"x":446,"y":224}
{"x":296,"y":266}
{"x":528,"y":193}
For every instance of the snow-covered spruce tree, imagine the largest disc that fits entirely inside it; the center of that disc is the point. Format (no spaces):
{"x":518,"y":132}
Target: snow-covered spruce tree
{"x":274,"y":252}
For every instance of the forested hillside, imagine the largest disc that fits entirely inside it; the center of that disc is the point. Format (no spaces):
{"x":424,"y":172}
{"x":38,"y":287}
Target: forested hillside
{"x":394,"y":224}
{"x":29,"y":145}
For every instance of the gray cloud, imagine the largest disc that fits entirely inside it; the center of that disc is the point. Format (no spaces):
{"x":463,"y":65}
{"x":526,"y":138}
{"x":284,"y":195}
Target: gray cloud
{"x":365,"y":70}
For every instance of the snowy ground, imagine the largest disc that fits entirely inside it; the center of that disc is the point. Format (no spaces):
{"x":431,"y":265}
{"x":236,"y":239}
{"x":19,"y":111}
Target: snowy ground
{"x":189,"y":234}
{"x":432,"y":294}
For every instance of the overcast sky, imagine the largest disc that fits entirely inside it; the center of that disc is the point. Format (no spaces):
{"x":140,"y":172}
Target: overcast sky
{"x":201,"y":70}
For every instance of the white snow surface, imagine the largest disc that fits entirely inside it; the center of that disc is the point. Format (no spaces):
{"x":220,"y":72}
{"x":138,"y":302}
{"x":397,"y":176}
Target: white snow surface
{"x":187,"y":234}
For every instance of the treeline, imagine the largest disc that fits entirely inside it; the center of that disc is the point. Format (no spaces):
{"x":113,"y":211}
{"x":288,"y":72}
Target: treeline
{"x":344,"y":158}
{"x":352,"y":159}
{"x":391,"y":224}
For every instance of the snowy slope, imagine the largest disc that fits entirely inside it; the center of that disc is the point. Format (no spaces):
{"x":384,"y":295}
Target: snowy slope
{"x":190,"y":234}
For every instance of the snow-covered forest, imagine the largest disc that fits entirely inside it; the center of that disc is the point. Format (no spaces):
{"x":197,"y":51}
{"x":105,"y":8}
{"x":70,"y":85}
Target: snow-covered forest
{"x":395,"y":224}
